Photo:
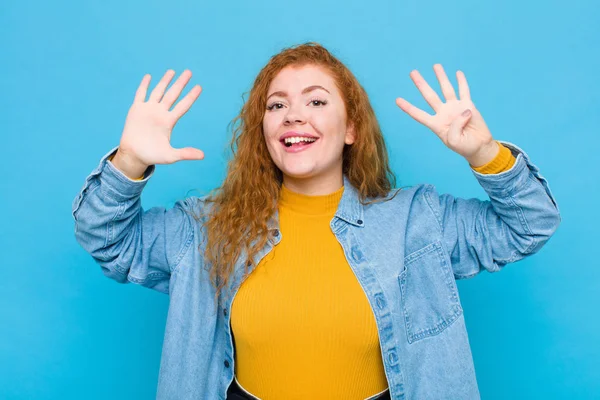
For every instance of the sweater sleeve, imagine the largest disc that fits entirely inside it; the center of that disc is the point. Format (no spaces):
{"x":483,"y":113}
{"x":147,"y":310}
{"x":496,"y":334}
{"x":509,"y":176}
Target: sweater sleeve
{"x":135,"y":179}
{"x":503,"y":161}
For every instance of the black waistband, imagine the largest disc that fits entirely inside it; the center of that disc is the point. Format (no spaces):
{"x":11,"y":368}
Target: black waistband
{"x":235,"y":392}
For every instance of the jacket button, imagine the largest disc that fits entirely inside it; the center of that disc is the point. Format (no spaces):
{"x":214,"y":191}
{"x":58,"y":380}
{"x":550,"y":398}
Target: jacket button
{"x":276,"y":232}
{"x":226,"y":364}
{"x":360,"y":221}
{"x":225,"y":311}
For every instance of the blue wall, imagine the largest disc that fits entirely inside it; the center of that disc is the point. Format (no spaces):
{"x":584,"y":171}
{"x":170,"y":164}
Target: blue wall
{"x":68,"y":76}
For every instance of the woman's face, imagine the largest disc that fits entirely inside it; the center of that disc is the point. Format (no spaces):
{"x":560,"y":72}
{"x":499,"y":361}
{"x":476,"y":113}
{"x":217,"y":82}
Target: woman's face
{"x":304,"y":101}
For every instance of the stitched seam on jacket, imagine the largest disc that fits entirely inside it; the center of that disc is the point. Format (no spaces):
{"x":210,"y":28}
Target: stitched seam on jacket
{"x":91,"y":186}
{"x":189,"y":240}
{"x":525,"y":226}
{"x":482,"y":210}
{"x":184,"y":249}
{"x":438,"y":217}
{"x":109,"y":230}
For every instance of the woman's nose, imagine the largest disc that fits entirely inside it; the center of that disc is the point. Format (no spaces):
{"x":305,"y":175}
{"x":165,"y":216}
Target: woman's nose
{"x":289,"y":120}
{"x":294,"y":116}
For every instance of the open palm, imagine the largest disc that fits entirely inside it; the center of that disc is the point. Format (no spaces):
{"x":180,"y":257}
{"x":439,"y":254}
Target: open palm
{"x":457,"y":122}
{"x":149,"y":124}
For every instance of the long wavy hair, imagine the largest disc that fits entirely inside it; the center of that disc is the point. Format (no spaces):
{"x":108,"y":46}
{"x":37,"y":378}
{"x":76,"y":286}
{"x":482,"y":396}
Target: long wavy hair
{"x":248,"y":197}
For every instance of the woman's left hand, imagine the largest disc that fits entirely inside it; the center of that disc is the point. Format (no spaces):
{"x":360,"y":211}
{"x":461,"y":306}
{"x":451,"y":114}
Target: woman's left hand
{"x":457,"y":122}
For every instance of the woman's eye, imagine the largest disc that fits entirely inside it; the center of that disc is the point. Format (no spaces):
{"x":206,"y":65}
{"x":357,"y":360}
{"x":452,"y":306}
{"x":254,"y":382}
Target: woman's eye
{"x":273,"y":106}
{"x":278,"y":106}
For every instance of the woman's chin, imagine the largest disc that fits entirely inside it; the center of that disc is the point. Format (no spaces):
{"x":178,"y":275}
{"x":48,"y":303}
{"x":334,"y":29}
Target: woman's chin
{"x":298,"y":173}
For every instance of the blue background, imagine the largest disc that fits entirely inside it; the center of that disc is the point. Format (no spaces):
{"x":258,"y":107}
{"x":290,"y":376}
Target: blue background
{"x":69,"y":73}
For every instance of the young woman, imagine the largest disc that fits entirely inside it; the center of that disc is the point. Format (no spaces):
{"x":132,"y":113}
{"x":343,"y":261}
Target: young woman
{"x":306,"y":275}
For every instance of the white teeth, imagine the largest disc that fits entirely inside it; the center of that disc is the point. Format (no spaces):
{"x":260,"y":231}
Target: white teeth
{"x":298,"y":139}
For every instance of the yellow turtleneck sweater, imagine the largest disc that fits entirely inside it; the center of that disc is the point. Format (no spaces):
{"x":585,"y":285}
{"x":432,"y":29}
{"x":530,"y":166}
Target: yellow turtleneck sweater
{"x":303,"y":327}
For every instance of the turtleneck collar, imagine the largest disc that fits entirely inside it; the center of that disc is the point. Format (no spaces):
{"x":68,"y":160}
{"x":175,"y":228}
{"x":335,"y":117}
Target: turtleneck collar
{"x":310,"y":205}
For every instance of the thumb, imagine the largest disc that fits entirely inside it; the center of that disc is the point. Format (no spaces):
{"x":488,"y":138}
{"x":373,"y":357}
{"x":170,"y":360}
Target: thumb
{"x":189,"y":153}
{"x":457,"y":126}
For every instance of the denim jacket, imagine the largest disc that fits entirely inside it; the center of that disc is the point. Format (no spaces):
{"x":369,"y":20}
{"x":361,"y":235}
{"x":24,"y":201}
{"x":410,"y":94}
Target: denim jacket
{"x":406,"y":253}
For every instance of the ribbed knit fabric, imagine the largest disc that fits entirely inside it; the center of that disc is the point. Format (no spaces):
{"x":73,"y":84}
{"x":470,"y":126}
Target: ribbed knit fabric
{"x":302,"y":324}
{"x":503,"y":161}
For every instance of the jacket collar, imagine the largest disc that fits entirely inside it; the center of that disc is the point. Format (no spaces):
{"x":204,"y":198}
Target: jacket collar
{"x":349,"y":209}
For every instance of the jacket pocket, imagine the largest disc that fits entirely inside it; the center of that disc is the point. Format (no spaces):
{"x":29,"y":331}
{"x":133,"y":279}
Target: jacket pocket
{"x":429,"y":294}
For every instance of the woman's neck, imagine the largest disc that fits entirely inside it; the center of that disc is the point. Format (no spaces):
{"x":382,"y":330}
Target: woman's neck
{"x":314,"y":186}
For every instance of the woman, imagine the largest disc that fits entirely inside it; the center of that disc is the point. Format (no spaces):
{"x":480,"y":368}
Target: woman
{"x":306,"y":275}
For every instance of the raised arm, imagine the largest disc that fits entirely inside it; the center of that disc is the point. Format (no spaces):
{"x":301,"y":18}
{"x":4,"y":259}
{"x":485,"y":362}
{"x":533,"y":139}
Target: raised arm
{"x":522,"y":213}
{"x":129,"y":243}
{"x":520,"y":217}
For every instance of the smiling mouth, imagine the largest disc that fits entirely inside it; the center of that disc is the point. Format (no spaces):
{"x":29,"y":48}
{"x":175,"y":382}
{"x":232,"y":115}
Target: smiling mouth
{"x":301,"y":143}
{"x":297,"y":147}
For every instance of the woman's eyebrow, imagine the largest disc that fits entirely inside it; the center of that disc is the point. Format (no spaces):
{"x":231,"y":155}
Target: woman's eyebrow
{"x":306,"y":90}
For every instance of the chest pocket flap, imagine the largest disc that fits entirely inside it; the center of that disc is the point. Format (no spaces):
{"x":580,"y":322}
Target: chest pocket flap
{"x":429,"y":294}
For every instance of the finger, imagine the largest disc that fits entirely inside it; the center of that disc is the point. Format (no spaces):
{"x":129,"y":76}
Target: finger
{"x":447,"y":88}
{"x":184,"y":104}
{"x":159,"y":90}
{"x":142,"y":90}
{"x":463,"y":86}
{"x":455,"y":132}
{"x":175,"y":90}
{"x":416,"y":113}
{"x":188,"y":153}
{"x":428,"y":93}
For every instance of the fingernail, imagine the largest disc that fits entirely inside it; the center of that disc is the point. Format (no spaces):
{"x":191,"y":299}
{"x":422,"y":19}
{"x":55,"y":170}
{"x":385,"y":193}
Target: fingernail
{"x":466,"y":113}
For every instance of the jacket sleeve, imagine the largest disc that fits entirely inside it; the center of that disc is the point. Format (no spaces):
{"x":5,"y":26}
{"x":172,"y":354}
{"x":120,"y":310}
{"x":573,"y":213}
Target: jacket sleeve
{"x":130,"y":244}
{"x":518,"y":219}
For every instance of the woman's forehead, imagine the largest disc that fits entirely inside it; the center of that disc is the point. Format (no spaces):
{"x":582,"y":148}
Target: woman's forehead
{"x":295,"y":79}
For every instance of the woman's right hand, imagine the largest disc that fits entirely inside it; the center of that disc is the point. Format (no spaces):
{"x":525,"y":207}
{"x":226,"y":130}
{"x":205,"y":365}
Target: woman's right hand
{"x":147,"y":133}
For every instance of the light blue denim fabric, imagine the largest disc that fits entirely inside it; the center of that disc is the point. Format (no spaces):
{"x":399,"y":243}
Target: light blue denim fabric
{"x":406,"y":253}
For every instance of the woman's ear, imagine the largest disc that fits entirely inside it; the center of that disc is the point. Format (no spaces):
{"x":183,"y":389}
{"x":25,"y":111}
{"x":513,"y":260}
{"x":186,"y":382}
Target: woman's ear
{"x":350,"y":134}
